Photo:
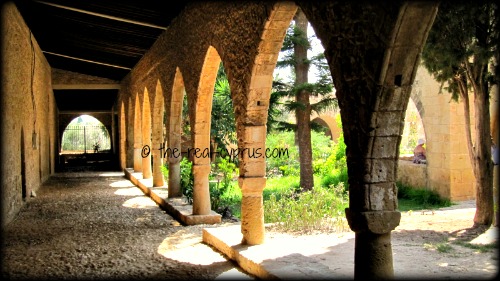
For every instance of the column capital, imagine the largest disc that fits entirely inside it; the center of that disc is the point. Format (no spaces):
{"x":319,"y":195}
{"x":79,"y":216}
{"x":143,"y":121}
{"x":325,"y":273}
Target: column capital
{"x":377,"y":222}
{"x":252,"y":185}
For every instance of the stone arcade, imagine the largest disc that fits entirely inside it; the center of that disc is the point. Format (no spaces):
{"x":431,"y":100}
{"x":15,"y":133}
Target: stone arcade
{"x":373,"y":50}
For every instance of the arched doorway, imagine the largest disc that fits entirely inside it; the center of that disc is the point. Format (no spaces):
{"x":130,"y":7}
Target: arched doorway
{"x":86,"y":145}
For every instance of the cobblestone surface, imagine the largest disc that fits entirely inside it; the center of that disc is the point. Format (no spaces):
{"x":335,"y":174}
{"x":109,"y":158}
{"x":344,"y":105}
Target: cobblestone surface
{"x":100,"y":226}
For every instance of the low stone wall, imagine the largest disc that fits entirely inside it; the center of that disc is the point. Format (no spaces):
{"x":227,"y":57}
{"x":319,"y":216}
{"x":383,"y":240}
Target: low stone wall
{"x":412,"y":174}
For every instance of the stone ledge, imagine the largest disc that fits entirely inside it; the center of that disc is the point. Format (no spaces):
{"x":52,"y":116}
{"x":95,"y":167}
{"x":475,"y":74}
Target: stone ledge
{"x":176,"y":207}
{"x":285,"y":257}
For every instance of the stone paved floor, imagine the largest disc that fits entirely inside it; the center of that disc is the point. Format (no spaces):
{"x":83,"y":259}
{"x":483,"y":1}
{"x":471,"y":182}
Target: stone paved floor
{"x":98,"y":225}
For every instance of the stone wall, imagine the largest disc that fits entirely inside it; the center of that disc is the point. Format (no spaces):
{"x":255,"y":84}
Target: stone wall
{"x":414,"y":175}
{"x":28,"y":114}
{"x":449,"y":168}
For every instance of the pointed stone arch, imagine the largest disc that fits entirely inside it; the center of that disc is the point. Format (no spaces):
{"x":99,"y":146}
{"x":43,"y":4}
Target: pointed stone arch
{"x":251,"y":119}
{"x":123,"y":137}
{"x":174,"y":121}
{"x":373,"y":82}
{"x":200,"y":132}
{"x":137,"y":135}
{"x":329,"y":122}
{"x":157,"y":135}
{"x":146,"y":136}
{"x":130,"y":133}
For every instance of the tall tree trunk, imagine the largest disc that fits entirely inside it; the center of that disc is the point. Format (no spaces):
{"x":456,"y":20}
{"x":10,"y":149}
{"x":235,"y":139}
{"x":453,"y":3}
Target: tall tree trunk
{"x":480,"y":149}
{"x":303,"y":115}
{"x":482,"y":164}
{"x":483,"y":169}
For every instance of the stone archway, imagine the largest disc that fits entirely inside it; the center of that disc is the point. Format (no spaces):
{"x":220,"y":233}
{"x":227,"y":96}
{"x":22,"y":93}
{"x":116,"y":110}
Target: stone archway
{"x":174,"y":149}
{"x":200,"y":116}
{"x":137,"y":135}
{"x":449,"y":171}
{"x":130,"y":133}
{"x":251,"y":108}
{"x":373,"y":82}
{"x":123,"y":137}
{"x":157,"y":136}
{"x":146,"y":136}
{"x":331,"y":123}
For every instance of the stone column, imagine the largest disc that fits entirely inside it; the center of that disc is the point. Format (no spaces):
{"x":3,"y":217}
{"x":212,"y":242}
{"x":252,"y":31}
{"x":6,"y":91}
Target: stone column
{"x":201,"y":193}
{"x":373,"y":248}
{"x":174,"y":177}
{"x":157,"y":164}
{"x":252,"y":210}
{"x":137,"y":157}
{"x":372,"y":212}
{"x":252,"y":181}
{"x":146,"y":163}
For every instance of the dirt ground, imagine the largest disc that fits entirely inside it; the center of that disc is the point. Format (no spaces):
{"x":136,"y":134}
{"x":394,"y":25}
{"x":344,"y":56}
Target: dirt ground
{"x":426,"y":245}
{"x":437,"y":245}
{"x":93,"y":226}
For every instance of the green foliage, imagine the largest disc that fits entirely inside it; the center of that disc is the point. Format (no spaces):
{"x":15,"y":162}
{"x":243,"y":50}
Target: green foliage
{"x":83,"y":135}
{"x":481,"y":248}
{"x":283,"y":92}
{"x":222,"y":128}
{"x":187,"y":179}
{"x":463,"y":37}
{"x":442,"y":247}
{"x":414,"y":198}
{"x":288,"y":166}
{"x":220,"y":194}
{"x":334,"y":167}
{"x":317,"y":209}
{"x":279,"y":186}
{"x":282,"y":165}
{"x":164,"y":171}
{"x":186,"y":126}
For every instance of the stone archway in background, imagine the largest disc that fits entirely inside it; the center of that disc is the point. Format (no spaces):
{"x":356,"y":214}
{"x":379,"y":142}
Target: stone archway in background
{"x":137,"y":135}
{"x":174,"y":141}
{"x":330,"y":122}
{"x":146,"y":135}
{"x":157,"y":136}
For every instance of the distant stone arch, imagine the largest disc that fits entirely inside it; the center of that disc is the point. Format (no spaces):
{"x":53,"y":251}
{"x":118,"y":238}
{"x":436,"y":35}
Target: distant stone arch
{"x":174,"y":121}
{"x":123,"y":136}
{"x":329,"y":122}
{"x":146,"y":136}
{"x":137,"y":135}
{"x":157,"y":135}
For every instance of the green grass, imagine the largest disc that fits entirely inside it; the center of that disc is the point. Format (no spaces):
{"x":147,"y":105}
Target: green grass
{"x":480,"y":248}
{"x":323,"y":208}
{"x":292,"y":211}
{"x":442,"y":247}
{"x":411,"y":198}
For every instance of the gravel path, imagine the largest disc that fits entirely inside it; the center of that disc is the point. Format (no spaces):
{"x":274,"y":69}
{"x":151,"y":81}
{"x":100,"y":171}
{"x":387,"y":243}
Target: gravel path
{"x":100,"y":226}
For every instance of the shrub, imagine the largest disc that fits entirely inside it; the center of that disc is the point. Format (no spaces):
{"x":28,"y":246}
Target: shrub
{"x":317,"y":209}
{"x":225,"y":171}
{"x":419,"y":197}
{"x":187,"y":179}
{"x":334,"y":168}
{"x":164,"y":171}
